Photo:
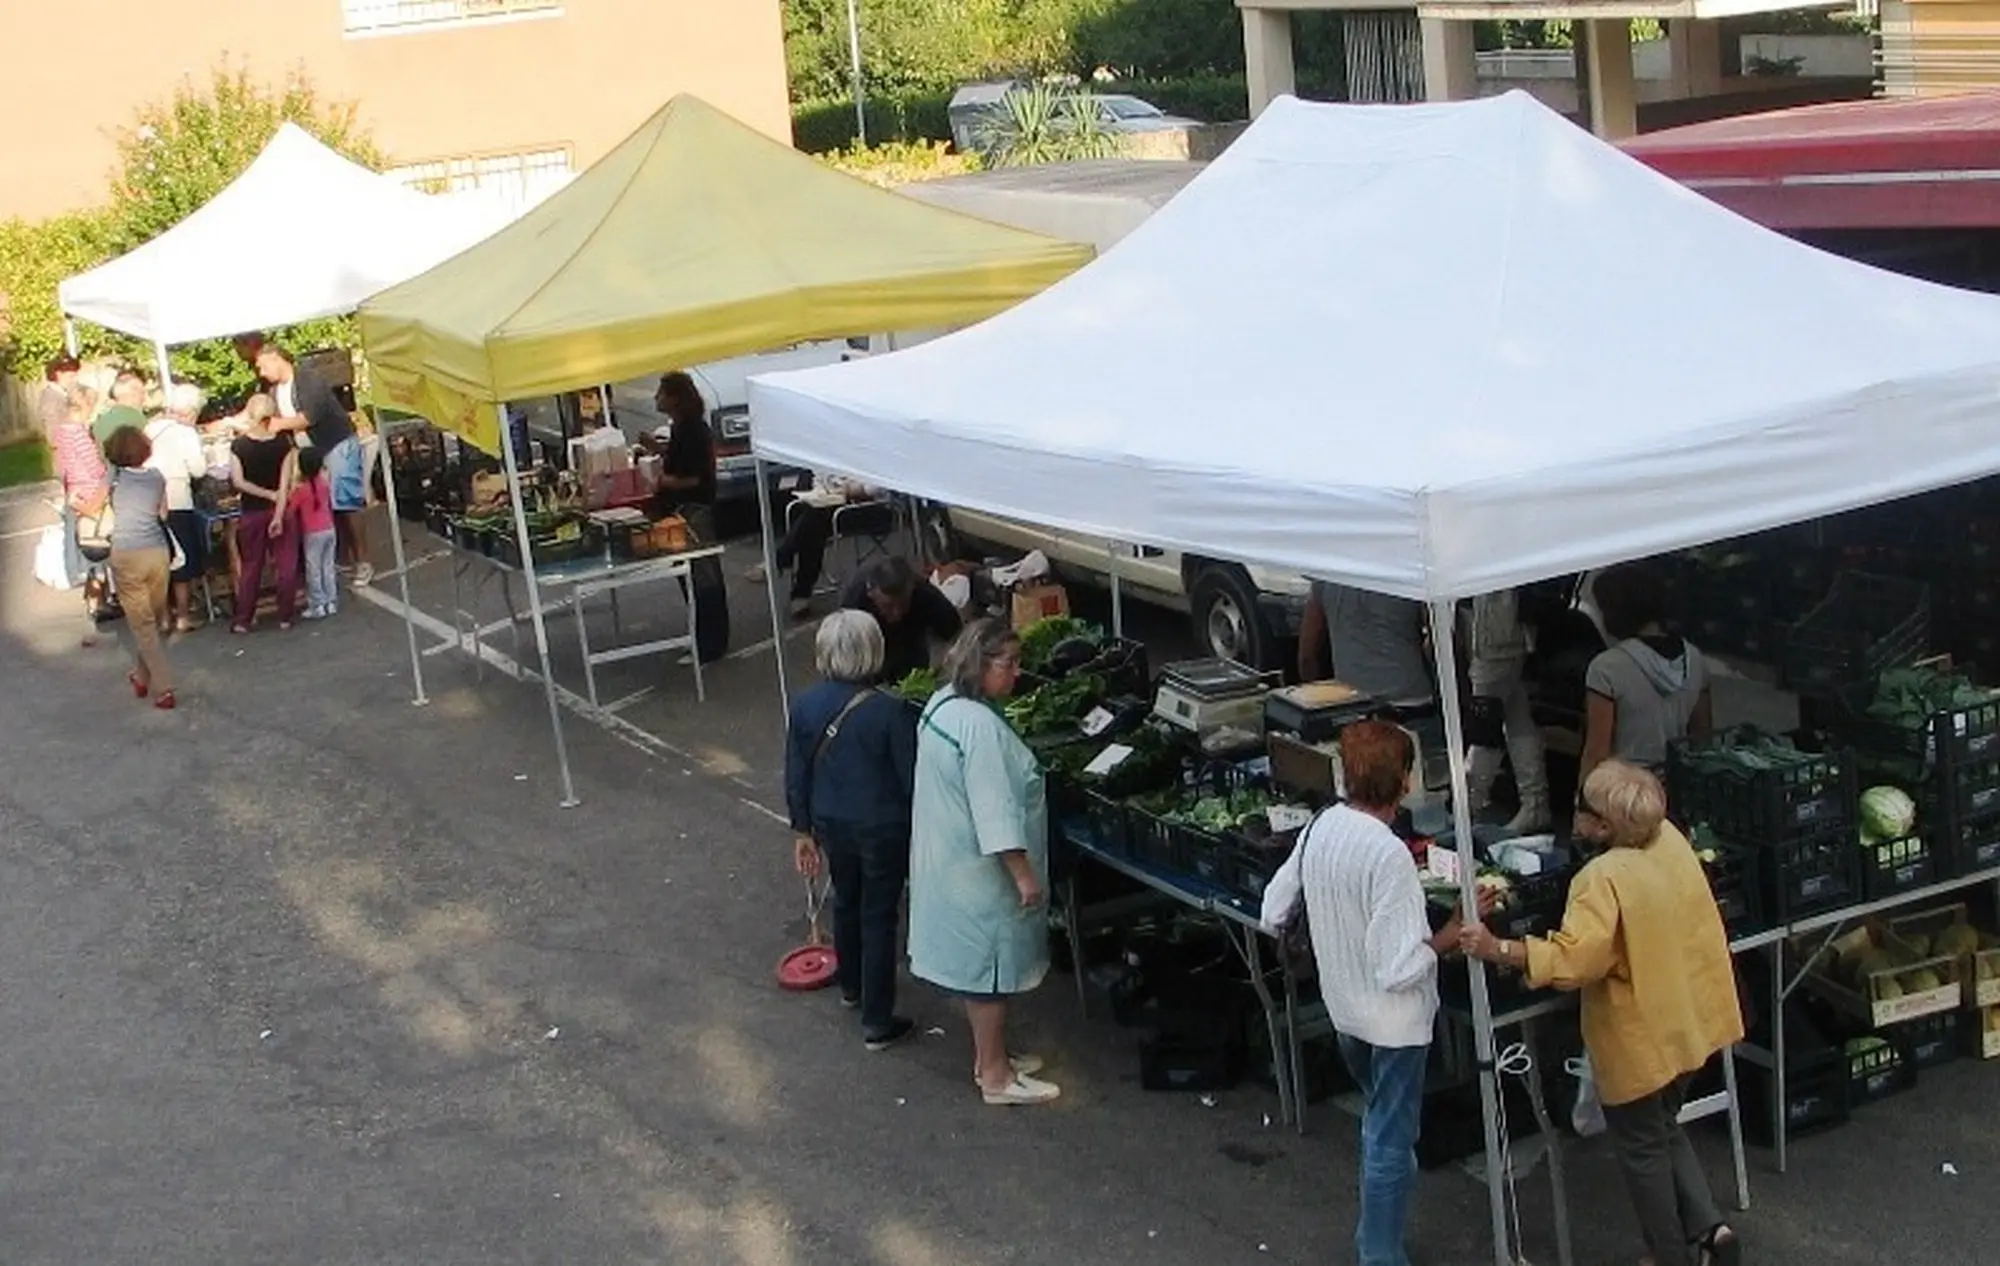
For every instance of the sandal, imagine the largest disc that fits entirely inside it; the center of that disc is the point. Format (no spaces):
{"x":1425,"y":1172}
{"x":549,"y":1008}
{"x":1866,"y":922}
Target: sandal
{"x":139,"y":688}
{"x":1720,"y":1247}
{"x":165,"y":702}
{"x":1021,"y":1092}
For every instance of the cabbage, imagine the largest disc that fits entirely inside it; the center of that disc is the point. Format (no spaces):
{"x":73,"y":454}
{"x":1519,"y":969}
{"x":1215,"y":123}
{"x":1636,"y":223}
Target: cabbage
{"x":1887,"y":813}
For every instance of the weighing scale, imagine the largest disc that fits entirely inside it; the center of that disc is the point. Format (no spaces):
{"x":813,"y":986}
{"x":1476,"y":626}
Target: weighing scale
{"x":1208,"y":695}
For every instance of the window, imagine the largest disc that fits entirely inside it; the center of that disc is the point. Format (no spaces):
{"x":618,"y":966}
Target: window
{"x":519,"y":180}
{"x":366,"y":17}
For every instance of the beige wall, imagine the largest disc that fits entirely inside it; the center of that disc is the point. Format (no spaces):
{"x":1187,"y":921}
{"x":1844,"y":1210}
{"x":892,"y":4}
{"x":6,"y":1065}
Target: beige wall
{"x":77,"y":71}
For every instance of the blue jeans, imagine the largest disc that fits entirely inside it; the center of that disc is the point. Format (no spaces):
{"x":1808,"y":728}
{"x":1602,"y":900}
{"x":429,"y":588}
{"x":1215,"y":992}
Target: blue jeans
{"x":1392,"y":1088}
{"x":869,"y":866}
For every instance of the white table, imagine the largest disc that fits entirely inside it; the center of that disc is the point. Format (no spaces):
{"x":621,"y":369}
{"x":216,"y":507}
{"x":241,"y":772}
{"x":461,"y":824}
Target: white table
{"x":571,"y":584}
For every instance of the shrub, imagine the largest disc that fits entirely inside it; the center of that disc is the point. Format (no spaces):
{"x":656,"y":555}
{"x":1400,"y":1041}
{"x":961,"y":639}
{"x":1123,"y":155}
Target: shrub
{"x":827,"y":124}
{"x":34,"y":259}
{"x":902,"y":162}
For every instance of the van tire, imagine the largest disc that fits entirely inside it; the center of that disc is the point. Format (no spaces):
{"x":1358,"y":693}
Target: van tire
{"x":1227,"y":622}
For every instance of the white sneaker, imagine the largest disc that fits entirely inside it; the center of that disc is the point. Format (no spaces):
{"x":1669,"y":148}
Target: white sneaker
{"x":1023,"y":1091}
{"x":363,"y":573}
{"x":1023,"y":1065}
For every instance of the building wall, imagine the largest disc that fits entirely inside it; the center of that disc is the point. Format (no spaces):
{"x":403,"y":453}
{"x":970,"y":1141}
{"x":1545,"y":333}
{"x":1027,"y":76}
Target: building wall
{"x":1933,"y":48}
{"x":578,"y":75}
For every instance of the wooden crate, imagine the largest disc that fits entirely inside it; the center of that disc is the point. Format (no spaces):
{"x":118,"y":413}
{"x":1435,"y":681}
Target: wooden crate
{"x":1880,"y":997}
{"x":1978,"y":991}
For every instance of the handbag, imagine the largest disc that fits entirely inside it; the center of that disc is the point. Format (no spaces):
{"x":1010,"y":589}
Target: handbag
{"x":1295,"y":931}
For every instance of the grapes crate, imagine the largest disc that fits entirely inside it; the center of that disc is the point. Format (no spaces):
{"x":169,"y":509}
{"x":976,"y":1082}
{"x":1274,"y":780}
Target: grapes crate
{"x":1807,"y":876}
{"x":1866,"y":623}
{"x":1765,"y":806}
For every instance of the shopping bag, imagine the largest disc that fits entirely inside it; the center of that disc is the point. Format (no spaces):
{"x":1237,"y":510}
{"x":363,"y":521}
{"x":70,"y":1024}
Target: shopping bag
{"x":1587,"y":1117}
{"x":52,"y":559}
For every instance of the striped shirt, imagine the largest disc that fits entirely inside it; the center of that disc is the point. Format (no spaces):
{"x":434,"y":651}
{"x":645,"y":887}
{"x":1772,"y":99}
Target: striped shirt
{"x":1370,"y":934}
{"x":79,"y":461}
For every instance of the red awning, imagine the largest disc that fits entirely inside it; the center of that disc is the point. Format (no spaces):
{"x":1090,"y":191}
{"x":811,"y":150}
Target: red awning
{"x":1906,"y":163}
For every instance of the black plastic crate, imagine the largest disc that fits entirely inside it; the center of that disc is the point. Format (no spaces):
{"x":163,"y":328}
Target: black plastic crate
{"x":1953,"y":737}
{"x":1534,"y":905}
{"x":1972,"y":788}
{"x":1865,"y":624}
{"x":1894,"y":866}
{"x":1815,"y":1095}
{"x":1968,"y":844}
{"x":1153,"y":840}
{"x":1172,"y":1062}
{"x":1110,"y":822}
{"x":1766,"y":806}
{"x":1734,"y":882}
{"x":1247,"y":867}
{"x":1808,"y":876}
{"x":1878,"y":1073}
{"x":1203,"y":854}
{"x":1932,"y":1040}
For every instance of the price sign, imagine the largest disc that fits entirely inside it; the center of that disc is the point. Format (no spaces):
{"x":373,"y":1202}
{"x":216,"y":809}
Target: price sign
{"x":1442,"y":863}
{"x":1107,"y":760}
{"x":1098,"y":721}
{"x":1287,"y":817}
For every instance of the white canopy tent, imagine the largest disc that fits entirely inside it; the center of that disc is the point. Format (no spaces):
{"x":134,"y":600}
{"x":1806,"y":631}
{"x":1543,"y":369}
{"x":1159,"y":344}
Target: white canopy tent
{"x":302,"y":233}
{"x":1431,"y":351}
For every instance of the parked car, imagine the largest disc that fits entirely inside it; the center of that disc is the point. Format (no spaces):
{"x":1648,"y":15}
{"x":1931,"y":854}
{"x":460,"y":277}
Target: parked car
{"x":975,"y":104}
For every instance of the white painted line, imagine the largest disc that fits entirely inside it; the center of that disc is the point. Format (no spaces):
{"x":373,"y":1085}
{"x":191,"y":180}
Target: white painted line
{"x":768,"y":812}
{"x":619,"y":705}
{"x":758,"y":648}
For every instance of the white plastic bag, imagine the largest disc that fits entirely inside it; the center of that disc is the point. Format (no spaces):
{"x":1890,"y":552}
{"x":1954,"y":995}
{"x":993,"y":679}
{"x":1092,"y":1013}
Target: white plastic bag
{"x":1587,"y":1117}
{"x":52,"y":559}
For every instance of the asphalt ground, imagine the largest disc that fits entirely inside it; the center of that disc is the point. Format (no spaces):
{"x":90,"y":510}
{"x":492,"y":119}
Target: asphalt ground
{"x":302,"y":972}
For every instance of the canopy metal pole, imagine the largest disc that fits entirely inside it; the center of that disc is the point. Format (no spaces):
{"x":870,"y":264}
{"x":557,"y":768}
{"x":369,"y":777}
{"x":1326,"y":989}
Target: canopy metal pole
{"x":854,"y":56}
{"x":771,"y":585}
{"x":1446,"y":654}
{"x":1117,"y":591}
{"x":165,"y":366}
{"x":402,"y":563}
{"x":569,"y":799}
{"x":70,"y":343}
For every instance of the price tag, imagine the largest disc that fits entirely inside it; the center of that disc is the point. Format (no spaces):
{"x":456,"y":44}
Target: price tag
{"x":1107,"y":760}
{"x":1442,"y":863}
{"x":1287,"y":817}
{"x":1098,"y":720}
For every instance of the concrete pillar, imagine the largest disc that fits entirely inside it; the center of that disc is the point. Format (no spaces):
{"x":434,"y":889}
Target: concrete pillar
{"x":1451,"y":73}
{"x":1697,"y":52}
{"x":1604,"y":63}
{"x":1267,"y":56}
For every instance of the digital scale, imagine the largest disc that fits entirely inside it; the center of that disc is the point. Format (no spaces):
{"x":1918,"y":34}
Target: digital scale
{"x":1209,"y":695}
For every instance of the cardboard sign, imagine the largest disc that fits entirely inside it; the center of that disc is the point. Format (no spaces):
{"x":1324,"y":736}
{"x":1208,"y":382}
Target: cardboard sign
{"x":1107,"y":760}
{"x":1094,"y":724}
{"x":1038,"y":601}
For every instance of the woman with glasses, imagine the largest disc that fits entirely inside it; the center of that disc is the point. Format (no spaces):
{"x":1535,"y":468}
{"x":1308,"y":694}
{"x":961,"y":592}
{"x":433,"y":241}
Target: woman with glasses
{"x":979,"y":857}
{"x":1643,"y":942}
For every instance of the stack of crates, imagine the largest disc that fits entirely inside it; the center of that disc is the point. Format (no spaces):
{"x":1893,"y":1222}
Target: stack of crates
{"x":1955,"y":757}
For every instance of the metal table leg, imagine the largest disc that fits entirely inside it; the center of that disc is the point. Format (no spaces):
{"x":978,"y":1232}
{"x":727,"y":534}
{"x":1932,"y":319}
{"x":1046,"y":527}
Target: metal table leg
{"x":1779,"y":1089}
{"x":1736,"y":1128}
{"x":1248,"y":945}
{"x":583,"y":642}
{"x":1071,"y":923}
{"x":694,"y":644}
{"x":1294,"y":1056}
{"x":1539,"y":1100}
{"x":618,"y":618}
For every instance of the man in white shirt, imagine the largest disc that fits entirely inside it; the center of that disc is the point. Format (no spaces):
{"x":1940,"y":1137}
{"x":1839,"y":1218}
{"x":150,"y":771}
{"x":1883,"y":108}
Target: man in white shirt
{"x":177,"y":454}
{"x":1378,"y":961}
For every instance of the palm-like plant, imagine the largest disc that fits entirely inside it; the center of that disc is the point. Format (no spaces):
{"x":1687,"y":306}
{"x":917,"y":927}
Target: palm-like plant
{"x":1046,"y":123}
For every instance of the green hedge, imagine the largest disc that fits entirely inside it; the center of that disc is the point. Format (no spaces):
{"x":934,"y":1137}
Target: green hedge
{"x":821,"y":127}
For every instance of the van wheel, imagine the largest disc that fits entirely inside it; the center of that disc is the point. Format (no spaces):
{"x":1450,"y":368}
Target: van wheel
{"x":1226,"y":620}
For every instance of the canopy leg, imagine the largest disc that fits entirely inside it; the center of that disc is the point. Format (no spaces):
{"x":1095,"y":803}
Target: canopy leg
{"x":402,"y":563}
{"x":771,"y":585}
{"x":1442,"y":628}
{"x":70,"y":342}
{"x":569,"y":799}
{"x":1117,"y":591}
{"x":165,"y":366}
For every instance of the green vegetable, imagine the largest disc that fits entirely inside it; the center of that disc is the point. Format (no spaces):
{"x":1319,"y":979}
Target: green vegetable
{"x":1887,"y":813}
{"x":1054,"y":707}
{"x":918,"y":685}
{"x":1044,"y":635}
{"x":1909,"y":697}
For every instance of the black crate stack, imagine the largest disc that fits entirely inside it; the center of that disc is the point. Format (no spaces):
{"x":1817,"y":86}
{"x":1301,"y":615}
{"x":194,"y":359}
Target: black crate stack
{"x":1954,"y":760}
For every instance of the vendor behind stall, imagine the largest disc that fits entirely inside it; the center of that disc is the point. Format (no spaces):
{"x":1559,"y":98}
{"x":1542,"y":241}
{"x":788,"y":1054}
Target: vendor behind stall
{"x":910,"y":609}
{"x":1377,"y":640}
{"x":1650,"y":689}
{"x":687,"y":472}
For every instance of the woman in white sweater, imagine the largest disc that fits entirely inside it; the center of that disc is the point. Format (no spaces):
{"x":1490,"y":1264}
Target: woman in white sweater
{"x":1377,"y":961}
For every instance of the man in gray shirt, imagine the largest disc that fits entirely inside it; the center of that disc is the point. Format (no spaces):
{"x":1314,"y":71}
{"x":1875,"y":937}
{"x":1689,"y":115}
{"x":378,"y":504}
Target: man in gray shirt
{"x":1377,"y":640}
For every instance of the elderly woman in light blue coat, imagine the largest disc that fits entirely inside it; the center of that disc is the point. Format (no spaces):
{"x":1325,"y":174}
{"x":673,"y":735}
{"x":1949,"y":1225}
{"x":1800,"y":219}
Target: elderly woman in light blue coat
{"x":979,"y":857}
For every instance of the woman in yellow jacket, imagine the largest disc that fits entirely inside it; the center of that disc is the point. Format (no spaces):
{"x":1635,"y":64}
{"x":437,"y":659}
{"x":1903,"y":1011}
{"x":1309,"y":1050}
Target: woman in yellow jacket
{"x":1643,"y":941}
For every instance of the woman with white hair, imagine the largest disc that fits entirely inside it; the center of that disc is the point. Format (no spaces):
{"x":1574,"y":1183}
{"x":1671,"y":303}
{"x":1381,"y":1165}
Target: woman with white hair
{"x":979,"y":858}
{"x":850,"y":765}
{"x":177,"y":454}
{"x":1644,"y":943}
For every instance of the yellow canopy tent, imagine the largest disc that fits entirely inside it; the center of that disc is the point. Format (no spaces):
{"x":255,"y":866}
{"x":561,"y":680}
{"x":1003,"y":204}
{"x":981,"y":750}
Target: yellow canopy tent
{"x":696,"y":238}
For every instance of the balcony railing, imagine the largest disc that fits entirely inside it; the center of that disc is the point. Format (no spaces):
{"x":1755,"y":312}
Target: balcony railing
{"x":369,"y":16}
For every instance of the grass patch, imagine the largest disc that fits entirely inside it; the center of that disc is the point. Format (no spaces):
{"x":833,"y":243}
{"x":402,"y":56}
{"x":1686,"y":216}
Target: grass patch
{"x":24,"y":462}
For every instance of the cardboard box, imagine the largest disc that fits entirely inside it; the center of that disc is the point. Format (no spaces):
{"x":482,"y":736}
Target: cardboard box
{"x":1038,"y":601}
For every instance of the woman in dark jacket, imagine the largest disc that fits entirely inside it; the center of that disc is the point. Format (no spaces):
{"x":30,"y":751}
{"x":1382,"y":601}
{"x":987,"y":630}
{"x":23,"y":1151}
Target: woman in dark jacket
{"x":850,"y":767}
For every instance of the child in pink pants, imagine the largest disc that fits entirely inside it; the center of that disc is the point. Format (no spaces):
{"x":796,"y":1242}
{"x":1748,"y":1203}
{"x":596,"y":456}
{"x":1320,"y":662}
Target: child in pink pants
{"x":312,"y":503}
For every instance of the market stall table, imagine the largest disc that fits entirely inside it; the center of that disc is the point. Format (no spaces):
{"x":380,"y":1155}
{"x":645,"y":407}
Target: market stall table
{"x":570,"y":584}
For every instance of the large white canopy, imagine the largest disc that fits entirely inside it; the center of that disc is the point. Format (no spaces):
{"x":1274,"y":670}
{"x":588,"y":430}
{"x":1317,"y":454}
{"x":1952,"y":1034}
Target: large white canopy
{"x":1430,"y":350}
{"x":302,"y":233}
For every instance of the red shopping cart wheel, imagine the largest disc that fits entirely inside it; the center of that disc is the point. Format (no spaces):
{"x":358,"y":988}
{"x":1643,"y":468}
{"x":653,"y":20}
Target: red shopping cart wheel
{"x":812,"y":965}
